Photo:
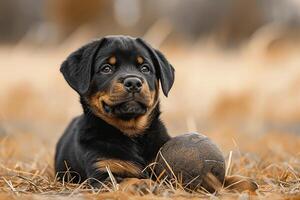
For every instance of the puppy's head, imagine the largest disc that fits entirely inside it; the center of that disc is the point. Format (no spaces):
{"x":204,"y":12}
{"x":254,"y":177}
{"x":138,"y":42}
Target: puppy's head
{"x":118,"y":78}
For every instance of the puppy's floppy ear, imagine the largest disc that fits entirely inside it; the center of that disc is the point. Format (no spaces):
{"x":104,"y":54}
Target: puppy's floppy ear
{"x":77,"y":68}
{"x":164,"y":68}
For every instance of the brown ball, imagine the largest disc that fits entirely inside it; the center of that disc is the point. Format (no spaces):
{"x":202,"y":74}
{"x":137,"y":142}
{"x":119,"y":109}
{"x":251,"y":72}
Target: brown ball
{"x":195,"y":161}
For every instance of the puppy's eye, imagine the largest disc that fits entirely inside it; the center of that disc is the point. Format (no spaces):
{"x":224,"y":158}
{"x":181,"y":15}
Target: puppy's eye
{"x":145,"y":69}
{"x":106,"y":69}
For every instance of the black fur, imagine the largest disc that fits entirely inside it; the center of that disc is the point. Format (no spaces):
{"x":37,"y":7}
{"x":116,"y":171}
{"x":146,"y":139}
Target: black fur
{"x":89,"y":138}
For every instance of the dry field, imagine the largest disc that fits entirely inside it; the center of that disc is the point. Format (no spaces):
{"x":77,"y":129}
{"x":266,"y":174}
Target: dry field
{"x":246,"y":100}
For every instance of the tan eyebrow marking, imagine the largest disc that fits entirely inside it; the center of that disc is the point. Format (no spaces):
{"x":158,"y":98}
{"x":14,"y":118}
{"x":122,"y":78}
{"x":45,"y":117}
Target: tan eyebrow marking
{"x":112,"y":60}
{"x":140,"y":59}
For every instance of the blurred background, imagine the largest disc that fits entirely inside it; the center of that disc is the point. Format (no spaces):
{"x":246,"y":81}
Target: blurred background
{"x":237,"y":67}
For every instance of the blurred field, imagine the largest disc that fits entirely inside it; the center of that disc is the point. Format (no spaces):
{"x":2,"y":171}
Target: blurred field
{"x":247,"y":100}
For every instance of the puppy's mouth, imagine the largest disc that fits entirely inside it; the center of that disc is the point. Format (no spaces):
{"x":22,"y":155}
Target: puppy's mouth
{"x":126,"y":110}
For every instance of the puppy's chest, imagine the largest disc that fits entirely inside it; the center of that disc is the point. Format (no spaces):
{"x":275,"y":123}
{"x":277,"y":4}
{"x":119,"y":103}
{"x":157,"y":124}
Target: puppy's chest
{"x":116,"y":146}
{"x":129,"y":149}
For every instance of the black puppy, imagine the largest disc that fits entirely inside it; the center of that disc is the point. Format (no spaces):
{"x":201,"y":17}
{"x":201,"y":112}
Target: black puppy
{"x":117,"y":78}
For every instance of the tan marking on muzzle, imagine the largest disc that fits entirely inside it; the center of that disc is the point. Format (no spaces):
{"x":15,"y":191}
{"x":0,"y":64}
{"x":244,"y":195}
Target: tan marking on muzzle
{"x":117,"y":90}
{"x":132,"y":127}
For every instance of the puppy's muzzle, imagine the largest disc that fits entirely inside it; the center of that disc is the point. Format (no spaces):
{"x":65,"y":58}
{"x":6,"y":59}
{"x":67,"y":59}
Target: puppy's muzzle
{"x":133,"y":100}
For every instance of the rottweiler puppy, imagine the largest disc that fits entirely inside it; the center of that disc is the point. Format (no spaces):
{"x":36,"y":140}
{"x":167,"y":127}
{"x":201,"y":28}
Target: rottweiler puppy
{"x":117,"y":79}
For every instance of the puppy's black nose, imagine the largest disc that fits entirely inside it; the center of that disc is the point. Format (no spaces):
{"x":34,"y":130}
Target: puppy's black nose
{"x":133,"y":84}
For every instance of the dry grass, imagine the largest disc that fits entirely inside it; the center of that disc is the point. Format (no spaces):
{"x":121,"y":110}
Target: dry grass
{"x":247,"y":101}
{"x":275,"y":169}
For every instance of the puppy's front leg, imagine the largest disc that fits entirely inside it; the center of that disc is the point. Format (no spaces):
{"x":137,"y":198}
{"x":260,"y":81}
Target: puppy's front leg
{"x":98,"y":170}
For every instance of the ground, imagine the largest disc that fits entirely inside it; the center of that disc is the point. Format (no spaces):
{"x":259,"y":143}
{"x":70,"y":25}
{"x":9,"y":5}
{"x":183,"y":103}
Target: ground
{"x":247,"y":101}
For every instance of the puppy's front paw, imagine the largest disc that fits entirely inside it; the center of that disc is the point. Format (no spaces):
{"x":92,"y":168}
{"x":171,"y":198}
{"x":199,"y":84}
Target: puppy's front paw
{"x":138,"y":186}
